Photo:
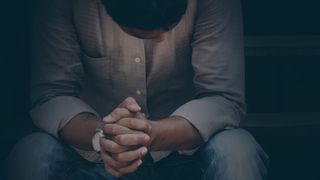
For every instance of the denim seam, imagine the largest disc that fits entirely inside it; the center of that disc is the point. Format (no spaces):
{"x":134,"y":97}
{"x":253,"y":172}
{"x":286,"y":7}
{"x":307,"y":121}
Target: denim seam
{"x":206,"y":170}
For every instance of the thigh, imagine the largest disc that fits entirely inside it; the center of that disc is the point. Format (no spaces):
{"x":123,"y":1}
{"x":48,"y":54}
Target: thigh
{"x":232,"y":154}
{"x":42,"y":156}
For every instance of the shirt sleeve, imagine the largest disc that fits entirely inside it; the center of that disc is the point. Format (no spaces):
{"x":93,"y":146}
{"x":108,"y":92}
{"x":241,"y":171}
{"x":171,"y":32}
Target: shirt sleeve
{"x":218,"y":63}
{"x":56,"y":67}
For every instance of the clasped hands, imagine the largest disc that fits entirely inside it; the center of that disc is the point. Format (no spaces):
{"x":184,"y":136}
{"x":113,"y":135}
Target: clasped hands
{"x":127,"y":138}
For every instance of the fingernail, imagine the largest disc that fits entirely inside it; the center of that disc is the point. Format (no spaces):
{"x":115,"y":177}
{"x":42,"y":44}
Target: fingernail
{"x":146,"y":139}
{"x":136,"y":107}
{"x":107,"y":119}
{"x":144,"y":151}
{"x":139,"y":162}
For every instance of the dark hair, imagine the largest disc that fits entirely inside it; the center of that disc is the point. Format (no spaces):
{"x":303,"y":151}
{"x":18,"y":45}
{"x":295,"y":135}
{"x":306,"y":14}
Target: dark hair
{"x":146,"y":14}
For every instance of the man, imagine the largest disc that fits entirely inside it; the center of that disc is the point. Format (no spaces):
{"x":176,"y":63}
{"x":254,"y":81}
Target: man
{"x":138,"y":89}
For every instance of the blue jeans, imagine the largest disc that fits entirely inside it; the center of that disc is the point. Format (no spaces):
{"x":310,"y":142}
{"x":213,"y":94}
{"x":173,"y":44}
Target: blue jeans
{"x":229,"y":155}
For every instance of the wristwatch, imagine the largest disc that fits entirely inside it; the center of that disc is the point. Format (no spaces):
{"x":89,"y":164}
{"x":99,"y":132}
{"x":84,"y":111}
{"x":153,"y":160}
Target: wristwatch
{"x":98,"y":133}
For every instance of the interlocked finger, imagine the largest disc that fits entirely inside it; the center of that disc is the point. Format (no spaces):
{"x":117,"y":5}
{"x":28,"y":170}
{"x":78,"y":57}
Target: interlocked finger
{"x":130,"y":155}
{"x":116,"y":129}
{"x":131,"y":139}
{"x":131,"y":104}
{"x":112,"y":147}
{"x":117,"y":114}
{"x":135,"y":123}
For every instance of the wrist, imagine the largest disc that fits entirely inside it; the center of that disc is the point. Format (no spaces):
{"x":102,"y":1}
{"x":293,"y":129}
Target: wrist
{"x":173,"y":133}
{"x":154,"y":134}
{"x":79,"y":131}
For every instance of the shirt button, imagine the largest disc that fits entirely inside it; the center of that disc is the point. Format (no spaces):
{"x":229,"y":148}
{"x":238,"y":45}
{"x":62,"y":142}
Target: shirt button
{"x":138,"y":92}
{"x":137,"y":59}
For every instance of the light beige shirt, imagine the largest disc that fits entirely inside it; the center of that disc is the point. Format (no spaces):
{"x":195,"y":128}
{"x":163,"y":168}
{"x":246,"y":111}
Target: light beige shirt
{"x":83,"y":62}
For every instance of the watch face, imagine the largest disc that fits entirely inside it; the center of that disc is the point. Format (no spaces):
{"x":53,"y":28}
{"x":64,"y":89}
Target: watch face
{"x":96,"y":141}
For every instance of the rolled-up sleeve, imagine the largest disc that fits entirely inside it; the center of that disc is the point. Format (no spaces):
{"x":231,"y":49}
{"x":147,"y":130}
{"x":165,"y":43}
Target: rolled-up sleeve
{"x":218,"y":63}
{"x":56,"y":67}
{"x":54,"y":114}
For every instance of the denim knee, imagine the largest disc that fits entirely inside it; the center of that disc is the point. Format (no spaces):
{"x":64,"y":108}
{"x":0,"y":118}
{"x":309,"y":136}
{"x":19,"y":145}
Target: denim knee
{"x":234,"y":155}
{"x":36,"y":156}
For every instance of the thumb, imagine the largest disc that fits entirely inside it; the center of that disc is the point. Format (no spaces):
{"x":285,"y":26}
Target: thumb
{"x":131,"y":104}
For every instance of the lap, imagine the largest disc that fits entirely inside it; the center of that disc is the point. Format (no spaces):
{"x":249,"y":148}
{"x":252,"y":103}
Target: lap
{"x":225,"y":153}
{"x":41,"y":156}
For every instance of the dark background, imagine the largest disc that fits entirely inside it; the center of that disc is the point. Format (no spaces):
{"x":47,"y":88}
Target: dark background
{"x":282,"y":81}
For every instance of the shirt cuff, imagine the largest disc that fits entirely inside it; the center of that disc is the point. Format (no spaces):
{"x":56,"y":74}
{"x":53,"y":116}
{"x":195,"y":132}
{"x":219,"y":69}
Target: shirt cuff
{"x":158,"y":155}
{"x":91,"y":156}
{"x":189,"y":152}
{"x":54,"y":114}
{"x":209,"y":115}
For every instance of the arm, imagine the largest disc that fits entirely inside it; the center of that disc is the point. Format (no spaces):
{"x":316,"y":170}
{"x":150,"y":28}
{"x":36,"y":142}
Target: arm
{"x":173,"y":133}
{"x":80,"y":130}
{"x":218,"y":64}
{"x":56,"y":76}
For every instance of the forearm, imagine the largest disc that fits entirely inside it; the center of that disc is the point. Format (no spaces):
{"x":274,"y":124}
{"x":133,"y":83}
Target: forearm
{"x":79,"y":131}
{"x":173,"y":133}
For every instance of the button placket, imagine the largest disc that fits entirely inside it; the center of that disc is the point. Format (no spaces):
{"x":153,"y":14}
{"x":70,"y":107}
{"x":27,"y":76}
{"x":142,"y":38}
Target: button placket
{"x":137,"y":59}
{"x":138,"y":92}
{"x":141,"y":86}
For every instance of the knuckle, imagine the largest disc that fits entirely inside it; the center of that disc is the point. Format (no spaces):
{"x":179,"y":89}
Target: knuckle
{"x":132,"y":139}
{"x":117,"y":149}
{"x":113,"y":148}
{"x":120,"y":139}
{"x":116,"y":157}
{"x":120,"y":111}
{"x":112,"y":164}
{"x":131,"y":122}
{"x":129,"y":99}
{"x":112,"y":129}
{"x":124,"y":112}
{"x":144,"y":125}
{"x":123,"y":121}
{"x":108,"y":162}
{"x":116,"y":111}
{"x":120,"y":158}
